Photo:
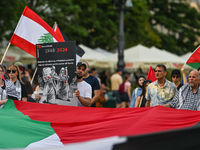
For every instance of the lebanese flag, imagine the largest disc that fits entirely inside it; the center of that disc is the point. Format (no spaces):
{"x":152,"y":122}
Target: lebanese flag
{"x":79,"y":51}
{"x":32,"y":30}
{"x":194,"y":60}
{"x":35,"y":125}
{"x":151,"y":75}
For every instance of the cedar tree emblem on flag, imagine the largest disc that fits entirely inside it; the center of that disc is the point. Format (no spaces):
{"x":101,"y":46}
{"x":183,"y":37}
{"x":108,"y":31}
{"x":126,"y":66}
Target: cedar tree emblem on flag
{"x":32,"y":30}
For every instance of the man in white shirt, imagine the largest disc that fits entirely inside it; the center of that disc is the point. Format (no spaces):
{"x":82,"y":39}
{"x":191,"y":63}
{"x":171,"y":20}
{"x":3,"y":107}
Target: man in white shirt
{"x":84,"y":90}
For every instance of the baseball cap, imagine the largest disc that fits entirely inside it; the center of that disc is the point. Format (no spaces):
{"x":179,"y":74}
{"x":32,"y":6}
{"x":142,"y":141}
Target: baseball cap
{"x":118,"y":69}
{"x":81,"y":64}
{"x":19,"y":64}
{"x":177,"y":72}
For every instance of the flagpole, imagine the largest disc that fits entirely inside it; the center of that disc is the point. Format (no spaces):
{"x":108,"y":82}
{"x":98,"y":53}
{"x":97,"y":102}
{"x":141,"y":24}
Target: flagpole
{"x":5,"y":53}
{"x":54,"y":26}
{"x":33,"y":75}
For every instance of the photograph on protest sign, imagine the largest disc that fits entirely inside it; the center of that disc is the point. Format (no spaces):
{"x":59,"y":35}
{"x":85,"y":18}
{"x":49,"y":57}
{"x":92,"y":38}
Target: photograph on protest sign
{"x":57,"y":79}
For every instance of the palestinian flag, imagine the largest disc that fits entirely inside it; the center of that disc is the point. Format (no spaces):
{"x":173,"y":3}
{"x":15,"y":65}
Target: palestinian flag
{"x":79,"y":51}
{"x":32,"y":30}
{"x":34,"y":125}
{"x":194,"y":60}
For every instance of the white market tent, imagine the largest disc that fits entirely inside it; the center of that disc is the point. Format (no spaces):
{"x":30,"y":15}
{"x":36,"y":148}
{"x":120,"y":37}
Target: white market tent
{"x":91,"y":56}
{"x":186,"y":56}
{"x":173,"y":59}
{"x":143,"y":57}
{"x":102,"y":51}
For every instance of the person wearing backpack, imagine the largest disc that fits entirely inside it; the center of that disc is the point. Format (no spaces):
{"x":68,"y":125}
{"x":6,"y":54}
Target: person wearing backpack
{"x":125,"y":91}
{"x":138,"y":91}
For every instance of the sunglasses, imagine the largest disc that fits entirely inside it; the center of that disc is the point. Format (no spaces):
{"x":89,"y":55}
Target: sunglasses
{"x":11,"y":71}
{"x":175,"y":76}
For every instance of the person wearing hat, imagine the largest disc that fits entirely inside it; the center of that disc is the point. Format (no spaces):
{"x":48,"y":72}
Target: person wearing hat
{"x":116,"y":80}
{"x":176,"y":76}
{"x":84,"y":90}
{"x":188,"y":95}
{"x":24,"y":79}
{"x":138,"y":91}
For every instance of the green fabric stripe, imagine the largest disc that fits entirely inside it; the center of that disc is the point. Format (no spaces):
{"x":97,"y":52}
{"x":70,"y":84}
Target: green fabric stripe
{"x":18,"y":130}
{"x":195,"y":65}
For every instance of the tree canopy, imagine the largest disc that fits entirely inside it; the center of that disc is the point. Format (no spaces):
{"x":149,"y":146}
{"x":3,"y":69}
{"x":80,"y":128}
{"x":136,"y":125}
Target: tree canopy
{"x":96,"y":23}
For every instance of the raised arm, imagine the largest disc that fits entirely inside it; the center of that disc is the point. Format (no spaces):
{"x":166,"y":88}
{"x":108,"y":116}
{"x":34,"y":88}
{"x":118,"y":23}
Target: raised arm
{"x":184,"y":75}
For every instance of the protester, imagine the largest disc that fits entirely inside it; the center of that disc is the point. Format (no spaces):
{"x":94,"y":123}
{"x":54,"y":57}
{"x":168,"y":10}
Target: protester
{"x":138,"y":91}
{"x":25,"y":78}
{"x":103,"y":96}
{"x":15,"y":76}
{"x":105,"y":79}
{"x":5,"y":76}
{"x":160,"y":91}
{"x":93,"y":72}
{"x":141,"y":100}
{"x":126,"y":96}
{"x":188,"y":95}
{"x":7,"y":89}
{"x":84,"y":90}
{"x":116,"y":80}
{"x":93,"y":81}
{"x":176,"y":76}
{"x":185,"y":80}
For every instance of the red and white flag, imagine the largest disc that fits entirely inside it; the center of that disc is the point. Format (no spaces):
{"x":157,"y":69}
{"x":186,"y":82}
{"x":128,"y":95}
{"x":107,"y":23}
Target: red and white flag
{"x":32,"y":30}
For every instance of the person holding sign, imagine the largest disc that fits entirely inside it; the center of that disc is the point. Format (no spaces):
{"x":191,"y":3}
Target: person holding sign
{"x":84,"y":90}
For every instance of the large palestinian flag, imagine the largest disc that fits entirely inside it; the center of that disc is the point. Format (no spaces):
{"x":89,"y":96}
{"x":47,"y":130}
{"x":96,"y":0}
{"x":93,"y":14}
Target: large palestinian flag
{"x":34,"y":125}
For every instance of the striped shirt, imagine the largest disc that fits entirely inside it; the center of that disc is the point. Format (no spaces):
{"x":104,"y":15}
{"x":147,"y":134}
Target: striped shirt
{"x":190,"y":102}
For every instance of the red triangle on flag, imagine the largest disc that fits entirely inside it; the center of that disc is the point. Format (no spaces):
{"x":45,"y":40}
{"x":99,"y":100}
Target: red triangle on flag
{"x":151,"y":75}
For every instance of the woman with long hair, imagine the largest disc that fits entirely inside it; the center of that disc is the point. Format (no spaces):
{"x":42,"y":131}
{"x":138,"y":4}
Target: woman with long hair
{"x":137,"y":91}
{"x":7,"y":89}
{"x":141,"y":100}
{"x":15,"y":76}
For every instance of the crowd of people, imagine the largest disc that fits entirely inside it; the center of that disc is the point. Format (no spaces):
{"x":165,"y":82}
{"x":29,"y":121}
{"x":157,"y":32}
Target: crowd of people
{"x":92,"y":89}
{"x":161,"y":92}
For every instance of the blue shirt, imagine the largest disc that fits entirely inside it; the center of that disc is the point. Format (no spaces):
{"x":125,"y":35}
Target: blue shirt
{"x":134,"y":97}
{"x":93,"y":81}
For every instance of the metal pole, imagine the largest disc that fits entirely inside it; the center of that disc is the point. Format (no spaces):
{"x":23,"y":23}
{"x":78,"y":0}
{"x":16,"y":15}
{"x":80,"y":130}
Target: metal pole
{"x":120,"y":63}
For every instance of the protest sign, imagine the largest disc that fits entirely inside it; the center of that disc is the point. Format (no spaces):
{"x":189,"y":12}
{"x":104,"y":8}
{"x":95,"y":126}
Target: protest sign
{"x":57,"y":80}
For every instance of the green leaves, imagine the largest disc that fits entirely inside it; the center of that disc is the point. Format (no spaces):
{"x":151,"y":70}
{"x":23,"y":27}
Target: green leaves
{"x":170,"y":25}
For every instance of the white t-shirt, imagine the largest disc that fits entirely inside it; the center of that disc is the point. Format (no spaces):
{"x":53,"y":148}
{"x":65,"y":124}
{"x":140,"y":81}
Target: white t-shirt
{"x":85,"y":90}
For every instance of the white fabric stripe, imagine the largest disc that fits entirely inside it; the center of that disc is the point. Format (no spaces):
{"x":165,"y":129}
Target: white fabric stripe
{"x":50,"y":141}
{"x":30,"y":30}
{"x":99,"y":144}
